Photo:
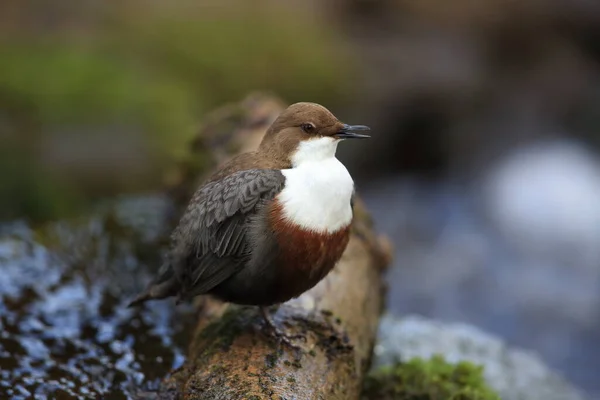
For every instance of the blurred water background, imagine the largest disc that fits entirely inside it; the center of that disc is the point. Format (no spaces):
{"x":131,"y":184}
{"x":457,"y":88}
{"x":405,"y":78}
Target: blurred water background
{"x":483,"y":167}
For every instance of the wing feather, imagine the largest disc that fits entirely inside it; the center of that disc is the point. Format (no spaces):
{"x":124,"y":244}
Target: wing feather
{"x":208,"y":245}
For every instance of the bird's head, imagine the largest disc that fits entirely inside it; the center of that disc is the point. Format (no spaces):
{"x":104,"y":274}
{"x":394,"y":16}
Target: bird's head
{"x":307,"y":132}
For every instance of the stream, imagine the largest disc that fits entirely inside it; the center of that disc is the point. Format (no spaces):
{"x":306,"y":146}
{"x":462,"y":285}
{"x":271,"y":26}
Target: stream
{"x":65,"y":331}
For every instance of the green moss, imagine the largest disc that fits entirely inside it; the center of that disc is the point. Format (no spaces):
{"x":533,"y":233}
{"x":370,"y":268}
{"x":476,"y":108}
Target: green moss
{"x":265,"y":387}
{"x":91,"y":87}
{"x":220,"y":334}
{"x":271,"y":360}
{"x":433,"y":379}
{"x":218,"y":369}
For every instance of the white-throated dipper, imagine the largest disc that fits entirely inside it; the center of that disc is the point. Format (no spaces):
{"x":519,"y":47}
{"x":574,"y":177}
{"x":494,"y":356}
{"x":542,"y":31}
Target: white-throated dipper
{"x":269,"y":224}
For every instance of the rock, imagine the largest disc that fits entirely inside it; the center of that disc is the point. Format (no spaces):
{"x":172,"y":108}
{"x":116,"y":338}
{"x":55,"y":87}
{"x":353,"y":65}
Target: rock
{"x":516,"y":374}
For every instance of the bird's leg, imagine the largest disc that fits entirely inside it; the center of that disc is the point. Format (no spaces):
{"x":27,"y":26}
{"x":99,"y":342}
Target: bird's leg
{"x":276,"y":331}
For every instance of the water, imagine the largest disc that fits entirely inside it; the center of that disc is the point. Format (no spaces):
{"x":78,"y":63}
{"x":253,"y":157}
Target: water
{"x":65,"y":331}
{"x":451,"y":264}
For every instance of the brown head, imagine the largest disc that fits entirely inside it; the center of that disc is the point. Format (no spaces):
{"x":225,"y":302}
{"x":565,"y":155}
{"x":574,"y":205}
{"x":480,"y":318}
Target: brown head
{"x":306,"y":128}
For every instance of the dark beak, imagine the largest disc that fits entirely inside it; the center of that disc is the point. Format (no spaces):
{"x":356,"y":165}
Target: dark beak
{"x":350,"y":132}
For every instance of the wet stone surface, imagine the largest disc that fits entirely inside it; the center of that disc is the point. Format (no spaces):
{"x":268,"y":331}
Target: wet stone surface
{"x":65,"y":331}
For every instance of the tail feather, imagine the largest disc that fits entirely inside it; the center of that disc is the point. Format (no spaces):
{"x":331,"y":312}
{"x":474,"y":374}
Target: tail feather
{"x":157,"y":291}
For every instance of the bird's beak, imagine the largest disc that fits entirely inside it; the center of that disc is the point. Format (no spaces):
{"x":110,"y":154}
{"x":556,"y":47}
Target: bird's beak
{"x":350,"y":132}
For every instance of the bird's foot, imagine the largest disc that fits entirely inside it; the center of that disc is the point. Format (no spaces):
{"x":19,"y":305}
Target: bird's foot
{"x":288,"y":339}
{"x":282,"y":336}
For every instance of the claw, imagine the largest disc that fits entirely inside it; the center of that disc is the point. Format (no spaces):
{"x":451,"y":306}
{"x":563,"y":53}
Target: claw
{"x":279,"y":334}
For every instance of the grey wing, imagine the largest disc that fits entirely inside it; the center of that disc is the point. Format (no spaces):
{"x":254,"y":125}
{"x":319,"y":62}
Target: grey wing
{"x":209,"y":244}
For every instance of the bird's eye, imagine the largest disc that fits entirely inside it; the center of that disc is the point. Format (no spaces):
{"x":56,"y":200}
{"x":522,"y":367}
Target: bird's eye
{"x":308,"y":128}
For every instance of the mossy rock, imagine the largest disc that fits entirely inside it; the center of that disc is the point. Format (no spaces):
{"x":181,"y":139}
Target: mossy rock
{"x":434,"y":379}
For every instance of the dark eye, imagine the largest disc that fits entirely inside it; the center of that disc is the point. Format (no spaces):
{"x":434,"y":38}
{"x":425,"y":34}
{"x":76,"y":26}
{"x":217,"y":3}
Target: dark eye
{"x":308,"y":128}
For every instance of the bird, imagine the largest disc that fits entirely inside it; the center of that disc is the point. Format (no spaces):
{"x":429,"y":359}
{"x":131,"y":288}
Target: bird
{"x":269,"y":224}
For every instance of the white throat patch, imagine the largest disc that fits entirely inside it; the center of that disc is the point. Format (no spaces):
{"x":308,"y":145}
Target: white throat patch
{"x":315,"y":150}
{"x":318,"y":188}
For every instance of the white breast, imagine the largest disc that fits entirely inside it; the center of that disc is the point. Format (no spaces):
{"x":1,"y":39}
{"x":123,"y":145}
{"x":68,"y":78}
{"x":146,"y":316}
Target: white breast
{"x":317,"y":193}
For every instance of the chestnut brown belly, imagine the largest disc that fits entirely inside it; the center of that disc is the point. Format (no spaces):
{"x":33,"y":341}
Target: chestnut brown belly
{"x":296,"y":260}
{"x":305,"y":258}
